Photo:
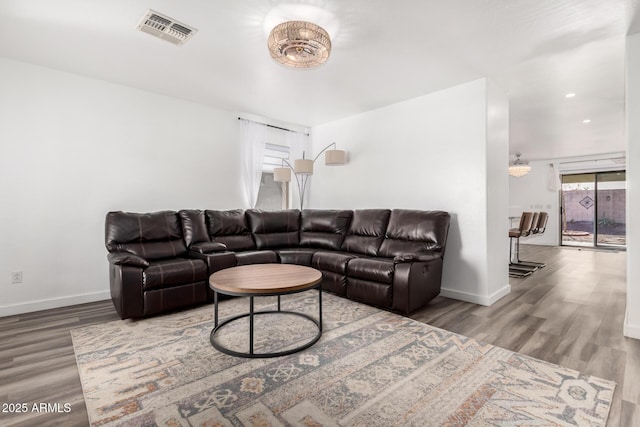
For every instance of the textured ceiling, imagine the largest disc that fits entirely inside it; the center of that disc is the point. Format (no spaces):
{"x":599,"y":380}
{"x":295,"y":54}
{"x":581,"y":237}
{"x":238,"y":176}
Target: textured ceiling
{"x":383,"y":52}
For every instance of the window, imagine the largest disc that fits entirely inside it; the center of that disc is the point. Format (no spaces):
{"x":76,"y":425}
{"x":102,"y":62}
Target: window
{"x":273,"y":195}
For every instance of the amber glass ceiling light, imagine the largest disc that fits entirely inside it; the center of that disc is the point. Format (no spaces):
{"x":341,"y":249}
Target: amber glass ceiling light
{"x":299,"y":44}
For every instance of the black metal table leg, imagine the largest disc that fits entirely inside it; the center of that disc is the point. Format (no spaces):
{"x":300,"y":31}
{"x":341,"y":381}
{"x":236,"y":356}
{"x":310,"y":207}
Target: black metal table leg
{"x":215,"y":304}
{"x":251,"y":325}
{"x":320,"y":308}
{"x":251,"y":314}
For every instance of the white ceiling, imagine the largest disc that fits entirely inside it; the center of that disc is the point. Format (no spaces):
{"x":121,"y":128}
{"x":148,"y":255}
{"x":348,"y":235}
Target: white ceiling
{"x":383,"y":52}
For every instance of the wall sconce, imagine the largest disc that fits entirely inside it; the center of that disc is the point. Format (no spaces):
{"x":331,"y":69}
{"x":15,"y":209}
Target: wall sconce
{"x":303,"y":168}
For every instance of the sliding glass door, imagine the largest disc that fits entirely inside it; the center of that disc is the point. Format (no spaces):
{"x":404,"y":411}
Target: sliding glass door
{"x":578,"y":201}
{"x":593,"y":209}
{"x":611,"y":205}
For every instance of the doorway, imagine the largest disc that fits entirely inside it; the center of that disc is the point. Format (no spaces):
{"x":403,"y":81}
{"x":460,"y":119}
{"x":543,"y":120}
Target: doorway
{"x":593,"y":209}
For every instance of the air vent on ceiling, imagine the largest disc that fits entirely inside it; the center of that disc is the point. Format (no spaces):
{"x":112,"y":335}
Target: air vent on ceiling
{"x":165,"y":28}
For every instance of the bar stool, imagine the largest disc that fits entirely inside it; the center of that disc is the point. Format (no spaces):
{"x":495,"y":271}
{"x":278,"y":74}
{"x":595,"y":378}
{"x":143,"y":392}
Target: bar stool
{"x":537,"y":230}
{"x":523,"y":230}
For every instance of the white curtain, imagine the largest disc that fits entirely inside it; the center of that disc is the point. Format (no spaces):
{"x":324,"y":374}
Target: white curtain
{"x":252,"y":146}
{"x":299,"y":143}
{"x":553,"y":178}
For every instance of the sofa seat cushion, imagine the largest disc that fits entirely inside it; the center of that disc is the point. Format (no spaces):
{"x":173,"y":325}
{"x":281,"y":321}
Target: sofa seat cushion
{"x":300,"y":256}
{"x":374,"y":269}
{"x":334,"y":282}
{"x":256,"y":257}
{"x":167,"y":299}
{"x":172,"y":272}
{"x":335,"y":262}
{"x":368,"y":292}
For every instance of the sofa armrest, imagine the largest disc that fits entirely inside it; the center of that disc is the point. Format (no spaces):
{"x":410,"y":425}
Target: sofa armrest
{"x":216,"y":260}
{"x":127,"y":293}
{"x":208,"y":247}
{"x":413,"y":257}
{"x":416,"y":283}
{"x":124,"y":258}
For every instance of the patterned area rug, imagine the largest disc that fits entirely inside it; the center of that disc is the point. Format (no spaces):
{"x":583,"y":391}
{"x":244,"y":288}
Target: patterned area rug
{"x":370,"y":368}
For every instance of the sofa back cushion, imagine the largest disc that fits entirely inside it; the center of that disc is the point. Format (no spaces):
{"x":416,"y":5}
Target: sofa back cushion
{"x":366,"y":232}
{"x":151,"y":236}
{"x":324,"y":228}
{"x":194,"y":226}
{"x":274,"y":229}
{"x":230,"y":227}
{"x":415,"y":232}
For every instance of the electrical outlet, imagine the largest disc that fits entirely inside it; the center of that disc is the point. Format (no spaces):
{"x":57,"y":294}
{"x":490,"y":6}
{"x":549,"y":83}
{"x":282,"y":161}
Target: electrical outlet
{"x":16,"y":277}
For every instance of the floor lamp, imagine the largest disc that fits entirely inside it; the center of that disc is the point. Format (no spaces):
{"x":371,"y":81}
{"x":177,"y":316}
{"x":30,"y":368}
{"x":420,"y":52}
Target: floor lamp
{"x":303,"y":168}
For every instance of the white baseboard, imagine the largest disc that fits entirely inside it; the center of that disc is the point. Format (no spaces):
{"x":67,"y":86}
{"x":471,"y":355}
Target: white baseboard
{"x":631,"y":331}
{"x":476,"y":298}
{"x":31,"y":306}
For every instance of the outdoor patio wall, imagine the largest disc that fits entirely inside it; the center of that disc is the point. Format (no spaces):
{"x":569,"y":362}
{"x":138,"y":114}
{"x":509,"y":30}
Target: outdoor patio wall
{"x":74,"y":148}
{"x":611,"y":205}
{"x":445,"y":150}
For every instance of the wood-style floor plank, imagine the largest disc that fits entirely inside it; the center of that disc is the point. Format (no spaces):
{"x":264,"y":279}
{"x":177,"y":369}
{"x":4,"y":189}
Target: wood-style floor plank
{"x":37,"y":363}
{"x":570,"y":313}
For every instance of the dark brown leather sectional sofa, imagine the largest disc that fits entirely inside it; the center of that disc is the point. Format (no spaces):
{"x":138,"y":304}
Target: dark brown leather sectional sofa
{"x":161,"y":261}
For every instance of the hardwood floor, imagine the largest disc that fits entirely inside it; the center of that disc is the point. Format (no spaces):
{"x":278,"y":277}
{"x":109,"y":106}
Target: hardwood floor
{"x":570,"y":313}
{"x":37,"y":364}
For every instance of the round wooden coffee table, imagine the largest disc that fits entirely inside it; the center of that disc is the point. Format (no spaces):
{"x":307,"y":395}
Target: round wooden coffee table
{"x":264,"y":280}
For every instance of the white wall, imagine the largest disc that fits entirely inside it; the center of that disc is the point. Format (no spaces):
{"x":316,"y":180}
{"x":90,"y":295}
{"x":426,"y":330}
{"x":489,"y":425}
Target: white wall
{"x":438,"y":151}
{"x":72,"y":149}
{"x":497,"y":193}
{"x":530,"y":193}
{"x":632,"y":321}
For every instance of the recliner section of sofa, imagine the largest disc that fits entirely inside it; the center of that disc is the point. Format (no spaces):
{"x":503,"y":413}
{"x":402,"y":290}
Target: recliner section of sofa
{"x":150,"y":269}
{"x":416,"y":240}
{"x":388,"y":258}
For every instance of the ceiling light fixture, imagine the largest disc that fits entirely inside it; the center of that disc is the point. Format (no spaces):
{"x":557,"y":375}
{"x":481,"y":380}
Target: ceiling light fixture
{"x":570,"y":95}
{"x":585,"y":121}
{"x":299,"y":44}
{"x":519,"y":168}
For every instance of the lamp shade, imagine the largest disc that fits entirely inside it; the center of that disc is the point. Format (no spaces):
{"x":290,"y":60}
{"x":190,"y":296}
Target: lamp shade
{"x":281,"y":174}
{"x":335,"y":157}
{"x":303,"y":166}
